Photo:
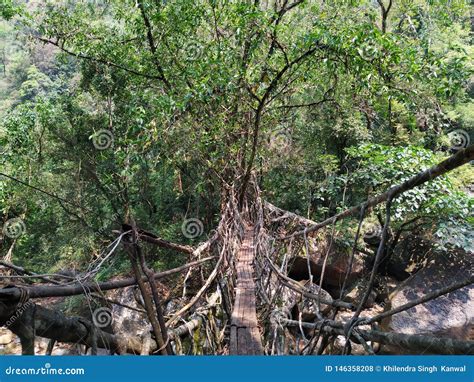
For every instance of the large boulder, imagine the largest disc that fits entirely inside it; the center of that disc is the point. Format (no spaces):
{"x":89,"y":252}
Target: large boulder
{"x":295,"y":306}
{"x":409,"y":256}
{"x":295,"y":303}
{"x":128,"y":321}
{"x":357,"y":293}
{"x":451,"y":315}
{"x":6,"y":336}
{"x":337,"y":264}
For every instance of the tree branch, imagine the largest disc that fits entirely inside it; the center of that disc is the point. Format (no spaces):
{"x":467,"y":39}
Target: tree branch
{"x":13,"y":293}
{"x":460,"y":158}
{"x":151,"y":43}
{"x":99,"y":60}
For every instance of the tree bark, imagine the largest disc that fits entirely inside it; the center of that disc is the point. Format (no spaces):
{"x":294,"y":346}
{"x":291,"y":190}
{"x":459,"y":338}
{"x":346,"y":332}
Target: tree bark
{"x":37,"y":320}
{"x":415,"y":342}
{"x":12,"y":293}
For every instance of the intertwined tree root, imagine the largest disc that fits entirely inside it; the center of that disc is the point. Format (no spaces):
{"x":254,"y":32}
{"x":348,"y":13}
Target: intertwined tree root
{"x":27,"y":319}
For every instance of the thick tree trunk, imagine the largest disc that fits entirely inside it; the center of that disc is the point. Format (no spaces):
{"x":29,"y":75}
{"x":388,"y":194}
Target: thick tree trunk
{"x":13,"y":294}
{"x":33,"y":320}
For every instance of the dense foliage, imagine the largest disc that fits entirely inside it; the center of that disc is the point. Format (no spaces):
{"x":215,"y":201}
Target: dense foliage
{"x":145,"y":110}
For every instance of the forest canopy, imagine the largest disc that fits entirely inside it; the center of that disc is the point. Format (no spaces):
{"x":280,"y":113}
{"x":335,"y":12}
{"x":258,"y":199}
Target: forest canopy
{"x":188,"y":95}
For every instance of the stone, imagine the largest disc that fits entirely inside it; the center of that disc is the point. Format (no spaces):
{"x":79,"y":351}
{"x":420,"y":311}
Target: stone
{"x":451,"y":315}
{"x":6,"y":337}
{"x":410,"y":255}
{"x":357,"y":292}
{"x":125,"y":320}
{"x":337,"y":265}
{"x":296,"y":304}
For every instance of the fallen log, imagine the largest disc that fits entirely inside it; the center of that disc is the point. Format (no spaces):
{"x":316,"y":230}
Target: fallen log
{"x":12,"y":293}
{"x":31,"y":320}
{"x":22,"y":271}
{"x":460,"y":158}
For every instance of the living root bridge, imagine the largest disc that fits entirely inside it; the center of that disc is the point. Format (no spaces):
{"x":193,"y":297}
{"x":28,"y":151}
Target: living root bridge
{"x":269,"y":266}
{"x":413,"y":342}
{"x":275,"y":252}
